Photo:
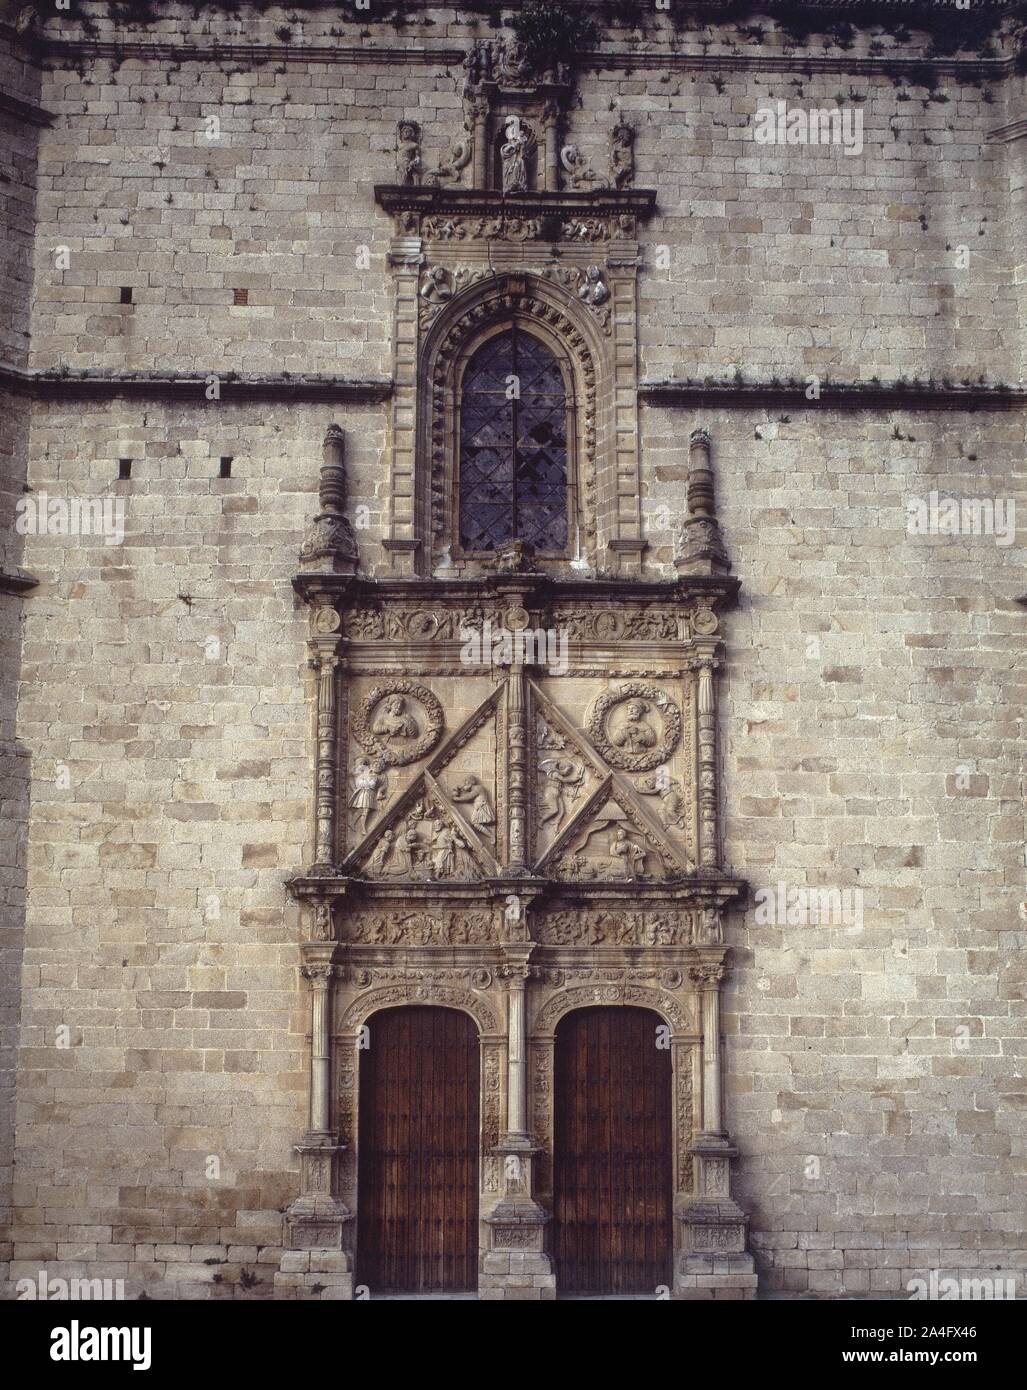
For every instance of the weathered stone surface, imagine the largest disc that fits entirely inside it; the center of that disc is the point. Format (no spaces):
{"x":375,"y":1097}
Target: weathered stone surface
{"x":155,"y":706}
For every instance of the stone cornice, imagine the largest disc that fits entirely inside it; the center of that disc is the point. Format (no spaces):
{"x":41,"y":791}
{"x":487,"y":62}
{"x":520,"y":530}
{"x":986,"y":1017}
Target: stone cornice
{"x":191,"y":386}
{"x":487,"y":202}
{"x":24,"y":110}
{"x":528,"y":590}
{"x":16,"y":581}
{"x":703,"y":888}
{"x":1006,"y":134}
{"x":68,"y":50}
{"x":834,"y":395}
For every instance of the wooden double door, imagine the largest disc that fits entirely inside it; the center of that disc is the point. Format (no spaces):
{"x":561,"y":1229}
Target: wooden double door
{"x":612,"y":1158}
{"x":417,"y":1202}
{"x":418,"y":1159}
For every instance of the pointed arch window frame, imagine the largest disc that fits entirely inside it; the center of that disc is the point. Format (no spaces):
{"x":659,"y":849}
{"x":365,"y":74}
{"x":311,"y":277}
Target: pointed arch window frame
{"x":454,"y":412}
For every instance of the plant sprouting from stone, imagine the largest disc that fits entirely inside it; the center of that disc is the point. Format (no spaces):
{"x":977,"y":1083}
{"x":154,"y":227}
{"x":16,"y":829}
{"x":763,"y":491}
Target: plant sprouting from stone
{"x":552,"y":32}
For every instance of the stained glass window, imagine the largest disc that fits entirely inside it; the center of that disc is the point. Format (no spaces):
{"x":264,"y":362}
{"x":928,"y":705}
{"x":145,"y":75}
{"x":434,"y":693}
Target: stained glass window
{"x":513,"y":446}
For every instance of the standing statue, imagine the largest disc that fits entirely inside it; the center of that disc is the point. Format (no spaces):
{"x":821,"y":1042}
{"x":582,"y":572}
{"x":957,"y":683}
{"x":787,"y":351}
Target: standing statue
{"x":622,"y":156}
{"x":514,"y":154}
{"x":408,"y":152}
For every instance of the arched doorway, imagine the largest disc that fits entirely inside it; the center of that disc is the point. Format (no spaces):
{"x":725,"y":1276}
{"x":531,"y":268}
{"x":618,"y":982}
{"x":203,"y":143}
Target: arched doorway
{"x":613,"y":1171}
{"x":417,"y":1207}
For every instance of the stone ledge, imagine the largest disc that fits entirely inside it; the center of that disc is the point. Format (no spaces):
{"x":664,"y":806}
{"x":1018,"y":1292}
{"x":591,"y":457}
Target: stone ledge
{"x":841,"y":395}
{"x":192,"y":386}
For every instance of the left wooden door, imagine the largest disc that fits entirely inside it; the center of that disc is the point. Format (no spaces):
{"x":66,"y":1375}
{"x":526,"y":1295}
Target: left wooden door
{"x":417,"y":1197}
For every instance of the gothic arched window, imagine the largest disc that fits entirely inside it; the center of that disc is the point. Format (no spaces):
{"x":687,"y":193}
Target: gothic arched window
{"x":514,"y":403}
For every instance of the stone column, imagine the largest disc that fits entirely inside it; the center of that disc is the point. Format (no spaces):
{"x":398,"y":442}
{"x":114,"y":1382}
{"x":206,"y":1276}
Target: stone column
{"x":319,"y":973}
{"x":325,"y":774}
{"x":479,"y":118}
{"x":517,"y":1222}
{"x":713,"y":1262}
{"x":316,"y":1221}
{"x":517,"y":1062}
{"x":517,"y":783}
{"x":706,"y":709}
{"x":707,"y":978}
{"x":551,"y":126}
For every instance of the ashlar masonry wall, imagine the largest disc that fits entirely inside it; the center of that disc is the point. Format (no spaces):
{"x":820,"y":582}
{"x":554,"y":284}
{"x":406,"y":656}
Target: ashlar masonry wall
{"x":872,"y":707}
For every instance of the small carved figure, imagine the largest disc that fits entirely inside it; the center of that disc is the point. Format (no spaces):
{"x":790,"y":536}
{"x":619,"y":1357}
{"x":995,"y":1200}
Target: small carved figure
{"x":674,"y":807}
{"x":514,"y":154}
{"x":483,"y":818}
{"x":411,"y":851}
{"x":378,"y":863}
{"x":576,"y":167}
{"x":560,"y":789}
{"x":625,"y":853}
{"x":436,"y":288}
{"x":635,"y":734}
{"x":393,"y":721}
{"x":513,"y":64}
{"x":443,"y":852}
{"x":711,"y":930}
{"x":593,"y":289}
{"x":622,"y":156}
{"x":369,"y":790}
{"x":408,"y":152}
{"x":459,"y":158}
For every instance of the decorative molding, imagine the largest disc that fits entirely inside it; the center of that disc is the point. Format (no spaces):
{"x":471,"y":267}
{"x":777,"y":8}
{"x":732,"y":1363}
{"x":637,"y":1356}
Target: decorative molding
{"x":372,"y":1000}
{"x":585,"y":996}
{"x":841,"y":395}
{"x":551,"y":209}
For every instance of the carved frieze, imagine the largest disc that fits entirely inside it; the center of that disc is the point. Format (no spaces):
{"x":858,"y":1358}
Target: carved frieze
{"x":575,"y":927}
{"x":418,"y":928}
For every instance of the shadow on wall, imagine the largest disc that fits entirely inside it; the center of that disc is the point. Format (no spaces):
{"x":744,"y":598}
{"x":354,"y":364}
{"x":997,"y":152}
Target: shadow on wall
{"x":14,"y":779}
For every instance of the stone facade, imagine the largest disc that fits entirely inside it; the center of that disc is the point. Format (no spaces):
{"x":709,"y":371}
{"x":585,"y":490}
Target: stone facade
{"x":198,"y":916}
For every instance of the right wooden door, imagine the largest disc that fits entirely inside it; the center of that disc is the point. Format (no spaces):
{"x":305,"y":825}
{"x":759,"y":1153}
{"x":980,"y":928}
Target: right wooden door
{"x":613,"y":1172}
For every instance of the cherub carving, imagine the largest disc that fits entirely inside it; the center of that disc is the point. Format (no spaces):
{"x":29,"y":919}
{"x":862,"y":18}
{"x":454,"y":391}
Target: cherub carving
{"x":673,"y":809}
{"x":593,"y":289}
{"x":459,"y":158}
{"x":560,"y":789}
{"x":576,"y":167}
{"x":436,"y":288}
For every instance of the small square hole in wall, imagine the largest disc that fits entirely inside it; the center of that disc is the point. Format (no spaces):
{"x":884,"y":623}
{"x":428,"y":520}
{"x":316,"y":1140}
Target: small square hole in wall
{"x":226,"y":466}
{"x":126,"y":294}
{"x":124,"y":469}
{"x":240,"y":296}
